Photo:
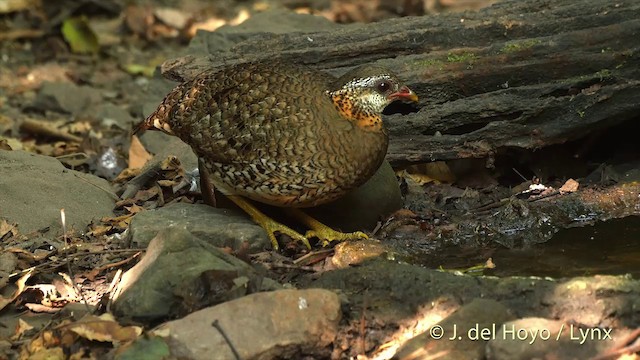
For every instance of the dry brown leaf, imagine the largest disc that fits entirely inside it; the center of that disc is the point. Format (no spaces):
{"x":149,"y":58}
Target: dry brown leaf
{"x":104,"y":328}
{"x":8,"y":6}
{"x":99,"y":230}
{"x":6,"y":228}
{"x":175,"y":18}
{"x":126,"y":175}
{"x":167,"y":183}
{"x":56,"y":353}
{"x":134,"y":209}
{"x":21,"y":328}
{"x":44,"y":346}
{"x":138,"y":155}
{"x":437,"y":171}
{"x":21,"y":283}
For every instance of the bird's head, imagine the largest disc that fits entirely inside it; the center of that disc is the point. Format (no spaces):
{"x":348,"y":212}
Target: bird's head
{"x":362,"y":94}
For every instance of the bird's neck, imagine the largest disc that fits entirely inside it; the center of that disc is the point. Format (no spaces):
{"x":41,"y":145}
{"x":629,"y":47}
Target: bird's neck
{"x":363,"y":116}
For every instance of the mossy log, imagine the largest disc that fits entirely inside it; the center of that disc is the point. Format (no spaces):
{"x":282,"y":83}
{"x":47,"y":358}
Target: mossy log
{"x":521,"y":73}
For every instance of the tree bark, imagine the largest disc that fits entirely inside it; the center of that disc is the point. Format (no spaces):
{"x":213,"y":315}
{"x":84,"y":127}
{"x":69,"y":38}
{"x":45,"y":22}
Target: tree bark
{"x":522,"y":73}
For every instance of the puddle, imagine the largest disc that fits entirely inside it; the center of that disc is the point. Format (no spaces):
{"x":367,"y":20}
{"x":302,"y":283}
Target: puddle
{"x":611,"y":248}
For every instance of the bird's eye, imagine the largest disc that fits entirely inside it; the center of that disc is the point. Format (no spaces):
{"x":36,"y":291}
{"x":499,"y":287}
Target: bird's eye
{"x":384,"y":86}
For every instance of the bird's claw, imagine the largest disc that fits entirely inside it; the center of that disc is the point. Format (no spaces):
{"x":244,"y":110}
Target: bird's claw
{"x":272,"y":227}
{"x":327,"y":235}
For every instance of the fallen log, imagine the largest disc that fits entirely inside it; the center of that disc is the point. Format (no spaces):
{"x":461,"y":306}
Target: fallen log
{"x":523,"y":74}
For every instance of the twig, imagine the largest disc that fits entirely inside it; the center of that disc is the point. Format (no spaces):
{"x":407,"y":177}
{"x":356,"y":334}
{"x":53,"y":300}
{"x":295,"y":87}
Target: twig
{"x":216,"y":325}
{"x":288,"y":266}
{"x":519,"y":174}
{"x":117,"y":263}
{"x":113,"y":251}
{"x":21,"y":34}
{"x":363,"y":321}
{"x":37,"y":127}
{"x":148,"y":173}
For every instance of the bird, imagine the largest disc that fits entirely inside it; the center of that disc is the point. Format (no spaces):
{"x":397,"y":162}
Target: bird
{"x":284,"y":134}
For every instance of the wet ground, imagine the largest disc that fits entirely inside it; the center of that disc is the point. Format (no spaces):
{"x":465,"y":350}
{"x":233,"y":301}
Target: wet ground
{"x":610,"y":248}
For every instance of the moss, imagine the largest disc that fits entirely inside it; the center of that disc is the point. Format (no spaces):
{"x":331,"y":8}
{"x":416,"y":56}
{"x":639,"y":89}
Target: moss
{"x":462,"y":57}
{"x":467,"y":57}
{"x":604,"y":73}
{"x":519,"y":46}
{"x":430,"y":63}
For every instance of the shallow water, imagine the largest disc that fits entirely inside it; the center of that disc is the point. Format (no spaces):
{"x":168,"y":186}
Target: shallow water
{"x":611,"y":247}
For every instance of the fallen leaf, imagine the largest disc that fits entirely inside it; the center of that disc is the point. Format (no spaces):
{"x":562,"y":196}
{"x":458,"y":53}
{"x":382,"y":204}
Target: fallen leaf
{"x":104,"y":328}
{"x":139,"y":69}
{"x":134,"y":209}
{"x":7,"y":6}
{"x":172,"y":17}
{"x":80,"y":36}
{"x":21,"y":283}
{"x":6,"y":228}
{"x":138,"y":155}
{"x":21,"y":328}
{"x":144,"y":349}
{"x":437,"y":171}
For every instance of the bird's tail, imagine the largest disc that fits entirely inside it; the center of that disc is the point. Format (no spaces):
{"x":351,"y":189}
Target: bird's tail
{"x":158,"y":120}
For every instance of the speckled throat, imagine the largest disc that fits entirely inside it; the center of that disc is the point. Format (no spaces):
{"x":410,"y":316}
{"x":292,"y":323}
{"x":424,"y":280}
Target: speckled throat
{"x":364,"y":117}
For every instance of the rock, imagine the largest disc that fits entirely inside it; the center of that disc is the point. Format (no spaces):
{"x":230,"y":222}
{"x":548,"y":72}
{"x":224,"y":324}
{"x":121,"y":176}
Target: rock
{"x":458,"y":335}
{"x":8,"y":264}
{"x":284,"y":324}
{"x":66,"y":97}
{"x":34,"y":188}
{"x":163,"y":145}
{"x":180,"y":273}
{"x":218,"y":227}
{"x":110,"y":115}
{"x":349,"y":253}
{"x":364,"y":207}
{"x":537,"y":338}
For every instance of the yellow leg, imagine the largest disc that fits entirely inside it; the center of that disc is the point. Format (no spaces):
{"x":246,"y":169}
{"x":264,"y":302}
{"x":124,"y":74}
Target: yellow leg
{"x":268,"y":224}
{"x":322,"y":231}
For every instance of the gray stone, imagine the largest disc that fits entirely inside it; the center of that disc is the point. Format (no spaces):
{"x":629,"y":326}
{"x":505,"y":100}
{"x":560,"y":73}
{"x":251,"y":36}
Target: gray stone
{"x":539,"y":338}
{"x":110,"y":115}
{"x":163,"y":145}
{"x":280,"y":324}
{"x":218,"y":227}
{"x":455,"y":335}
{"x":8,"y":264}
{"x":364,"y":207}
{"x":66,"y":97}
{"x":180,"y":273}
{"x":33,"y":189}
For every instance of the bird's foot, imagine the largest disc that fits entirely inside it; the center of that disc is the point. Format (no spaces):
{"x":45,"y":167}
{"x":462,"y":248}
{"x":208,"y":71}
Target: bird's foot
{"x":268,"y":224}
{"x":271,"y":227}
{"x":327,"y":235}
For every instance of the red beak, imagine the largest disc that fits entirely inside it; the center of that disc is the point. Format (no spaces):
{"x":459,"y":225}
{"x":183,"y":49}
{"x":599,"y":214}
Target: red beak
{"x":404,"y":94}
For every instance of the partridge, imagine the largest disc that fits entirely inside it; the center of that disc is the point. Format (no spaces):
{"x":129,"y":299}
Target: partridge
{"x":284,"y":135}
